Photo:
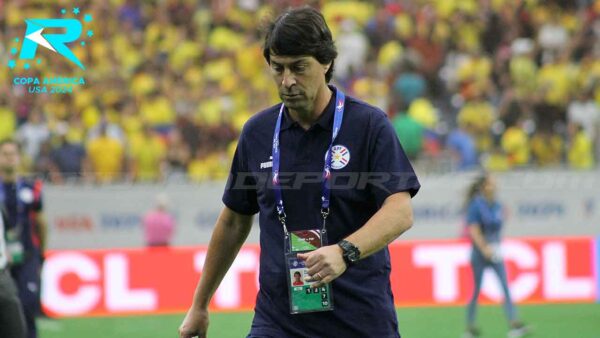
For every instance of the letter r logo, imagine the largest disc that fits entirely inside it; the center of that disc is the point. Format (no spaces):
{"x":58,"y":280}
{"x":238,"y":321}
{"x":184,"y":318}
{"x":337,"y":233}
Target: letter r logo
{"x":54,"y":42}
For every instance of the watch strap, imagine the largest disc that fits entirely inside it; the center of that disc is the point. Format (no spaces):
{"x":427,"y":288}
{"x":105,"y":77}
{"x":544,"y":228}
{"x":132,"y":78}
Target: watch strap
{"x":350,"y":252}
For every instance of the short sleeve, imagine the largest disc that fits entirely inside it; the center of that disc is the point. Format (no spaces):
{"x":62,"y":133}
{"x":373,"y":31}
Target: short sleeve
{"x":240,"y":191}
{"x":389,"y":168}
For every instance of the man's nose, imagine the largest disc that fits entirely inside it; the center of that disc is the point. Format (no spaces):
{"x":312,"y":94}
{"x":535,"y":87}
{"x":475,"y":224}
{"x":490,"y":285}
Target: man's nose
{"x":288,"y":79}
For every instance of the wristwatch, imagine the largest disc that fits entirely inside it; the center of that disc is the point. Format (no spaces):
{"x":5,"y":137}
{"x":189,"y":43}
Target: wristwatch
{"x":350,"y":252}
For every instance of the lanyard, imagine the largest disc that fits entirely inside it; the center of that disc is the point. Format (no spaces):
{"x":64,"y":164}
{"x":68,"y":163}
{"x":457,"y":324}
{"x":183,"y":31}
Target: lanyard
{"x":337,"y":123}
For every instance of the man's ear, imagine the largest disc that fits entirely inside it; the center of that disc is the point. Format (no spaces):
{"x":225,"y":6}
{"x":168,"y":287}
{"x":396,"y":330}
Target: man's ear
{"x":326,"y":67}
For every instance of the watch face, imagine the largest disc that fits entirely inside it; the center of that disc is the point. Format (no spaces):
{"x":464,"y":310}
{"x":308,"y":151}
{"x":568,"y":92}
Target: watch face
{"x":352,"y":256}
{"x":351,"y":253}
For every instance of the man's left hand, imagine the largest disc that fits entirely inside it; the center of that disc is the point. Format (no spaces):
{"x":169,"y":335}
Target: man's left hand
{"x":324,"y":264}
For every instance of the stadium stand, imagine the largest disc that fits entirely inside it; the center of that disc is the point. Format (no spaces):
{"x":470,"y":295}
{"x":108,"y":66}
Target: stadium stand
{"x":169,"y":84}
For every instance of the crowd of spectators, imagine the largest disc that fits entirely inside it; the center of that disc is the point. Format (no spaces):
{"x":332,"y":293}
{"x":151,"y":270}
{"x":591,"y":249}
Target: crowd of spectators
{"x":502,"y":84}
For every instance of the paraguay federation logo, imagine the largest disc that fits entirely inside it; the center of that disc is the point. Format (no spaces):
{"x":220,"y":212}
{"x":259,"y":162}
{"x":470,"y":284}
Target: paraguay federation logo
{"x":340,"y":156}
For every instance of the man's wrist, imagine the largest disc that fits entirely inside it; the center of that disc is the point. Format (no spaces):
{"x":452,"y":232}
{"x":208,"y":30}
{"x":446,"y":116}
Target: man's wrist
{"x":350,"y":252}
{"x":201,"y":304}
{"x":200,"y":307}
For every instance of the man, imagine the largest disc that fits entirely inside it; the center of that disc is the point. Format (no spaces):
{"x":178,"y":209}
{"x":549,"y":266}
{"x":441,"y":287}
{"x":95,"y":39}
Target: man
{"x":324,"y":141}
{"x":12,"y":320}
{"x":21,"y":200}
{"x":67,"y":160}
{"x":147,"y":156}
{"x":106,"y":156}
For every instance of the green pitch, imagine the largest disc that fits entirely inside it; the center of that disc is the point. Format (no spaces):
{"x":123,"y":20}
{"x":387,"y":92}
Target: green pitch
{"x":549,"y":321}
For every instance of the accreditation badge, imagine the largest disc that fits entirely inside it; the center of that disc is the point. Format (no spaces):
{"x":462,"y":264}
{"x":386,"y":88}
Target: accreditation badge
{"x":303,"y":296}
{"x":15,"y":249}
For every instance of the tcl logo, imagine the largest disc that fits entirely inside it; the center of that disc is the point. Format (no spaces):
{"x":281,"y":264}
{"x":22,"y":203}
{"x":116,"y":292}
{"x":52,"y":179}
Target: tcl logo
{"x":109,"y":285}
{"x":141,"y":281}
{"x":546,"y":270}
{"x":109,"y":282}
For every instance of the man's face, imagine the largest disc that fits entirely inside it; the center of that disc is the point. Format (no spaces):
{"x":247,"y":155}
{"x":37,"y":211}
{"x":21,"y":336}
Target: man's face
{"x":9,"y":158}
{"x":298,"y":80}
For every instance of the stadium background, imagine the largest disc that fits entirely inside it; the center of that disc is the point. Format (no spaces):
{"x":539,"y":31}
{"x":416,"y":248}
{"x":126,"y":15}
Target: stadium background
{"x":507,"y":85}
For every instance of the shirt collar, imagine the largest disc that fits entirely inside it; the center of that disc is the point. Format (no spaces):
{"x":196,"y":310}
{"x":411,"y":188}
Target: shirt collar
{"x":325,"y":121}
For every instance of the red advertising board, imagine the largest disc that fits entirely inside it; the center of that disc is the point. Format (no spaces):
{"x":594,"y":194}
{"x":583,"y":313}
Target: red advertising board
{"x":122,"y":281}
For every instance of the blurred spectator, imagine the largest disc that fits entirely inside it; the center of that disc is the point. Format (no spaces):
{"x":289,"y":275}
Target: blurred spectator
{"x":409,"y":85}
{"x":380,"y":29}
{"x":424,"y":112}
{"x":8,"y":118}
{"x":42,"y":163}
{"x":130,"y":14}
{"x":474,"y":75}
{"x":178,"y":153}
{"x":496,"y":160}
{"x":549,"y":117}
{"x":147,"y":162}
{"x":208,"y":166}
{"x":75,"y":130}
{"x":157,"y":111}
{"x":428,"y":49}
{"x":130,"y":121}
{"x":462,"y":147}
{"x":580,"y":153}
{"x":67,"y":159}
{"x":478,"y":114}
{"x":522,"y":67}
{"x":515,"y":143}
{"x":159,"y":224}
{"x":352,"y":46}
{"x":556,"y":80}
{"x":107,"y":126}
{"x":106,"y":155}
{"x":32,"y":134}
{"x":410,"y":133}
{"x":553,"y":36}
{"x":546,"y":148}
{"x":585,"y":112}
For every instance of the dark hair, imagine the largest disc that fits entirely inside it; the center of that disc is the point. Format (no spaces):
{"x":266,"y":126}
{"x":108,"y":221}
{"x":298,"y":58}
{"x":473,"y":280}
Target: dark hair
{"x":297,"y":273}
{"x":475,"y":188}
{"x":301,"y":31}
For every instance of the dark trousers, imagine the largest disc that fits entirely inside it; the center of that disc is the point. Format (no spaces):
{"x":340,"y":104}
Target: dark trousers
{"x":27,"y":279}
{"x":12,"y":319}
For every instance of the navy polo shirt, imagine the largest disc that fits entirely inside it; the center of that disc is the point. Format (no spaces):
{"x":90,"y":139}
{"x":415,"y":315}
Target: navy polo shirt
{"x":375,"y":168}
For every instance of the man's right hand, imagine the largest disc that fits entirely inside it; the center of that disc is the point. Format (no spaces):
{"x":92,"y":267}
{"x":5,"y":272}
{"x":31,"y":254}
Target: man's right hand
{"x":195,"y":324}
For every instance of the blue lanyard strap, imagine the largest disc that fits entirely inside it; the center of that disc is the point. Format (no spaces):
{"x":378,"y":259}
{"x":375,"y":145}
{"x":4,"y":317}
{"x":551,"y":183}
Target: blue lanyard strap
{"x":337,"y":123}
